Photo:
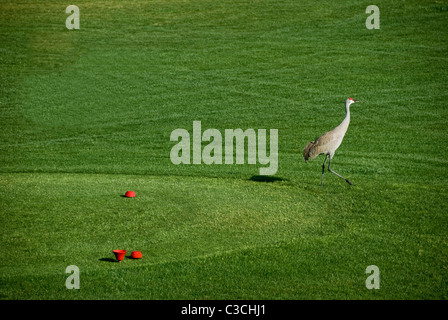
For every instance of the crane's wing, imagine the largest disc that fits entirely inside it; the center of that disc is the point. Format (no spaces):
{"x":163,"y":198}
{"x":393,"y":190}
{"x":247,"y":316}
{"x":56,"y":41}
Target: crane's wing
{"x":318,"y":146}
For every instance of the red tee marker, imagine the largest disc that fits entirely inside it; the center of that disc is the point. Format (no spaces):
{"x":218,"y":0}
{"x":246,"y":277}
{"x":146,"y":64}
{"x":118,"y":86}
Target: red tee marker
{"x":136,"y":255}
{"x":119,"y":254}
{"x":130,"y":194}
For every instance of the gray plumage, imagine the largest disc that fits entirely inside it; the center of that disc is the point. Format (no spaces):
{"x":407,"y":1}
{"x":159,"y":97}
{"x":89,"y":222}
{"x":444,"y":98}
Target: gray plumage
{"x":329,"y":142}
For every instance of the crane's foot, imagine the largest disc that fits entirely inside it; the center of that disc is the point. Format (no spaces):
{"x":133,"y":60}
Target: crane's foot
{"x":346,"y":180}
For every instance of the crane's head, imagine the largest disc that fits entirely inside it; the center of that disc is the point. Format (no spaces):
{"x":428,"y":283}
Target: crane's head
{"x":349,"y":101}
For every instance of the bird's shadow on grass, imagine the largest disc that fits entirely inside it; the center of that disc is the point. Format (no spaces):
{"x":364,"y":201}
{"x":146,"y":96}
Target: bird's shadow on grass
{"x":266,"y":179}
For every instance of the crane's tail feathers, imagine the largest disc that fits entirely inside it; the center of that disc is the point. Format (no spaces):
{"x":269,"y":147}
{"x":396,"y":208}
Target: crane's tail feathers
{"x":307,"y":150}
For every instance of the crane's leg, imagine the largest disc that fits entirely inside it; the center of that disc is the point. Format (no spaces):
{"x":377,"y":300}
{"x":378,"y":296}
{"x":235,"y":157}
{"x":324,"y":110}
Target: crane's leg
{"x":329,"y":169}
{"x":323,"y":170}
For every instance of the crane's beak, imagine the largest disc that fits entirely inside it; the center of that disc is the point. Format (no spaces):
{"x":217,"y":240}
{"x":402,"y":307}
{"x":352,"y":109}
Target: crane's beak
{"x":356,"y":101}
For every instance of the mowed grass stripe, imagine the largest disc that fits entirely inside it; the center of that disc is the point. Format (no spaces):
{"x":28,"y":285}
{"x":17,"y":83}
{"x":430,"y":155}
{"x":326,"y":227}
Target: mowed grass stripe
{"x":210,"y":214}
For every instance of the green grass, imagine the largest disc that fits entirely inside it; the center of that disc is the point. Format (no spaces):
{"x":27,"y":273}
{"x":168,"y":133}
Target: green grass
{"x":87,"y":114}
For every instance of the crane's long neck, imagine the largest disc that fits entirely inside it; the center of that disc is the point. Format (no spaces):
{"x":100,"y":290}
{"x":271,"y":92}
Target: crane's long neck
{"x":344,"y":124}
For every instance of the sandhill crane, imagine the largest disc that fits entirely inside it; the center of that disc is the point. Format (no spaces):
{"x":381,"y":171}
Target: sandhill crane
{"x":329,"y":142}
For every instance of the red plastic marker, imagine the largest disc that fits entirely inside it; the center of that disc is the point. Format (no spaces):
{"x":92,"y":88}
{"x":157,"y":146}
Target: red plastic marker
{"x":136,"y":255}
{"x":119,"y":254}
{"x":130,"y":194}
